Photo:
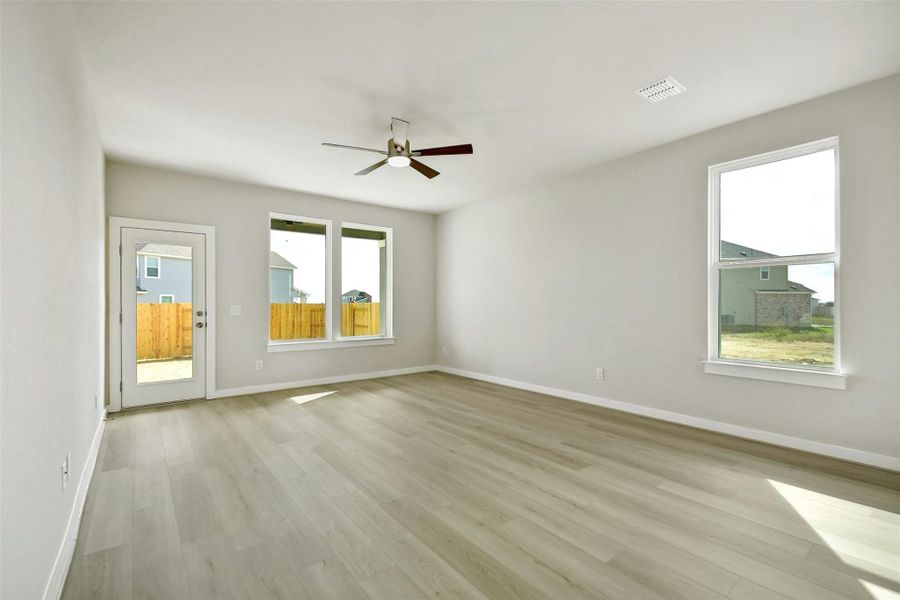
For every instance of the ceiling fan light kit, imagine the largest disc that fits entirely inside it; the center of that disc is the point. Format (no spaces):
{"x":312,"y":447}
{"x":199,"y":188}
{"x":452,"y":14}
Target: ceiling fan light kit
{"x":399,"y":153}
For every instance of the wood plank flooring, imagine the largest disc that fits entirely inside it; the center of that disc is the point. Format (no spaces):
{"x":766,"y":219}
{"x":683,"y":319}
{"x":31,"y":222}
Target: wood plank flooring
{"x":437,"y":487}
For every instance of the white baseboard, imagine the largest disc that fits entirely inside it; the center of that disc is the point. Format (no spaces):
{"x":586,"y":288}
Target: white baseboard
{"x":286,"y":385}
{"x":849,"y":454}
{"x":63,"y":561}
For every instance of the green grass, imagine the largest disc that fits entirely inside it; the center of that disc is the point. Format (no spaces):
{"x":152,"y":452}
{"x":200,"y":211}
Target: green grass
{"x":822,"y":321}
{"x":782,"y":334}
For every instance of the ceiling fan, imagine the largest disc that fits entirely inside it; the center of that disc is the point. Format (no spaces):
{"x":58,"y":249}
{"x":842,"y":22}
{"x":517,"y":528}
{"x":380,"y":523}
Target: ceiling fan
{"x":398,"y":152}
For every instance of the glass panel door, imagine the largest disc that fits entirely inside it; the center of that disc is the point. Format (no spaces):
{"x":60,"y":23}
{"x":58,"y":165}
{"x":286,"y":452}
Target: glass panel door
{"x":163,"y":316}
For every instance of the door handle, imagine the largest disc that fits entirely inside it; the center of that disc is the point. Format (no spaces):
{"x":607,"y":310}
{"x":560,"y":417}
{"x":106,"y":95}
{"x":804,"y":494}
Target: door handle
{"x":199,"y":325}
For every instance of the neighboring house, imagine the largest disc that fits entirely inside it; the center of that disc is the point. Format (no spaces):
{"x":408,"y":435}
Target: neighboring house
{"x":281,"y":278}
{"x":355,"y":296}
{"x":762,"y":296}
{"x":163,"y":273}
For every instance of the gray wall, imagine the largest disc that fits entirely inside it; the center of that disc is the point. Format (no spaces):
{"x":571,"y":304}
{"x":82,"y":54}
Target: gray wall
{"x":607,"y":268}
{"x":240,"y":214}
{"x":176,"y":278}
{"x":51,"y":328}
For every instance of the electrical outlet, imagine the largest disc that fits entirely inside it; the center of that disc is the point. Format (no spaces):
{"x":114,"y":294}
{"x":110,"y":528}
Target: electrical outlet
{"x":259,"y":365}
{"x":235,"y":311}
{"x":599,"y":374}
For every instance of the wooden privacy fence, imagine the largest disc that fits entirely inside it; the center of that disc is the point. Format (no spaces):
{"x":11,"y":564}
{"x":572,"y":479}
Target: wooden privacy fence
{"x":164,"y":330}
{"x":307,"y":321}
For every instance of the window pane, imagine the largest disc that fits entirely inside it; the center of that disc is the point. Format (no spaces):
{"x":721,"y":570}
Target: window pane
{"x":152,"y":266}
{"x":165,"y":322}
{"x":783,"y":208}
{"x":297,"y":280}
{"x":363,"y":279}
{"x":785,"y":319}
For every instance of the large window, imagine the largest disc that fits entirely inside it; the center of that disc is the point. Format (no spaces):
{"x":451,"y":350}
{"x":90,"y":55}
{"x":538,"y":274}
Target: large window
{"x":365,"y":259}
{"x":773,"y":259}
{"x":305,"y":310}
{"x":298,"y":278}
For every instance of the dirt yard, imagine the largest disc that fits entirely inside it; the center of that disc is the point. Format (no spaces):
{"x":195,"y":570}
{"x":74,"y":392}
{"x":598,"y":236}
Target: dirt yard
{"x":752,"y":346}
{"x":165,"y":370}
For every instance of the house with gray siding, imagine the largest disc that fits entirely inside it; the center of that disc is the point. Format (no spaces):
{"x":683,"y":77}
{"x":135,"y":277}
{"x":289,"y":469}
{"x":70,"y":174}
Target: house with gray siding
{"x":281,"y":281}
{"x":164,"y":275}
{"x":761,"y":296}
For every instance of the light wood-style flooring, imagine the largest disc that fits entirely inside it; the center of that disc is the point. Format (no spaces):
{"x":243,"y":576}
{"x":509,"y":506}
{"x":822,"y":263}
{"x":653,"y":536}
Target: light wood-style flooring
{"x":434,"y":486}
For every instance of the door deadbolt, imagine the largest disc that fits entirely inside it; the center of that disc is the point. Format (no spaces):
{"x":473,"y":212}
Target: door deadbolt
{"x":199,"y":325}
{"x":199,"y":313}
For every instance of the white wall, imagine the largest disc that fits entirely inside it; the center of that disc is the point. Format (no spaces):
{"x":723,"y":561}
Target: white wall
{"x":240,"y":214}
{"x":607,"y":268}
{"x":52,"y":287}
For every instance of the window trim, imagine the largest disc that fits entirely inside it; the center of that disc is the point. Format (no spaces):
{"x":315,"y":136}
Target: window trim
{"x":832,"y":377}
{"x":282,"y":344}
{"x":172,"y":296}
{"x":158,"y":266}
{"x":388,"y":284}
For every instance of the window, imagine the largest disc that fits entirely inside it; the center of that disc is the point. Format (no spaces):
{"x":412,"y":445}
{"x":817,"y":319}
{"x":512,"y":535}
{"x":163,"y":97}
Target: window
{"x":166,"y":298}
{"x":773,"y":260}
{"x":365,"y":280}
{"x":299,"y":278}
{"x":151,"y":267}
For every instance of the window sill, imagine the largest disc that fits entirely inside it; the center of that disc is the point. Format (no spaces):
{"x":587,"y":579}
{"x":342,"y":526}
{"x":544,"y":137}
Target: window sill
{"x":329,"y":344}
{"x":824,"y":379}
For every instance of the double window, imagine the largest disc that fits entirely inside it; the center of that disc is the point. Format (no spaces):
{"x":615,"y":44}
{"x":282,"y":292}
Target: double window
{"x":305,"y":306}
{"x":773,"y":259}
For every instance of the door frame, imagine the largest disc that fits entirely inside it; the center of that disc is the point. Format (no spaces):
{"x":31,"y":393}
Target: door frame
{"x":115,"y":300}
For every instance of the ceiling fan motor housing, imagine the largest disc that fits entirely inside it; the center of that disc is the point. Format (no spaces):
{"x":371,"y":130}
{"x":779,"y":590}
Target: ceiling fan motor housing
{"x":396,"y":149}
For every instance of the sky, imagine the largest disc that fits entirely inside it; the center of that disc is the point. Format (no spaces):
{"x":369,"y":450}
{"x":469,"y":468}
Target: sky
{"x":785,"y":208}
{"x":360,"y":263}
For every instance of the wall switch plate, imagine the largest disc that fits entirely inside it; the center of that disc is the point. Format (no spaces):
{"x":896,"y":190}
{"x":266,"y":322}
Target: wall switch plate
{"x":599,"y":374}
{"x":259,"y":365}
{"x":235,"y":311}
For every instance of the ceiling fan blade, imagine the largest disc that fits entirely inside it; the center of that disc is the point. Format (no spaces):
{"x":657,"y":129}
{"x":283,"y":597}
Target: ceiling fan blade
{"x":423,"y":169}
{"x":444,"y":150}
{"x":368,"y":170}
{"x":353,"y":148}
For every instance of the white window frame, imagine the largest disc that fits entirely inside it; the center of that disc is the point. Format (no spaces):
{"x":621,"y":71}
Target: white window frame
{"x":158,"y":266}
{"x":332,"y":297}
{"x":172,"y":296}
{"x":766,"y":271}
{"x":832,"y":377}
{"x":388,"y":284}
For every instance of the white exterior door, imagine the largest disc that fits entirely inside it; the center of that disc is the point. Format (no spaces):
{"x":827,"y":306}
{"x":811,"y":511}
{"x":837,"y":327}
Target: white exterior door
{"x":164,"y":316}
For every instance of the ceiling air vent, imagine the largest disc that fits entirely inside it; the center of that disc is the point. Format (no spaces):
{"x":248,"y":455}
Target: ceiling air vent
{"x":660,"y":90}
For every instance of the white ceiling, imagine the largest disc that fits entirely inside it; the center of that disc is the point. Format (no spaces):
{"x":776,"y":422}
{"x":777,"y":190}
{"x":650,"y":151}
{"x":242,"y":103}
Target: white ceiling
{"x":248,"y":91}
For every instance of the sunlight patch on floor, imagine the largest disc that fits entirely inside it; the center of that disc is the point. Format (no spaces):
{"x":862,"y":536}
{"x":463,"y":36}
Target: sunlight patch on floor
{"x":878,"y":592}
{"x":310,"y":397}
{"x":856,"y":533}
